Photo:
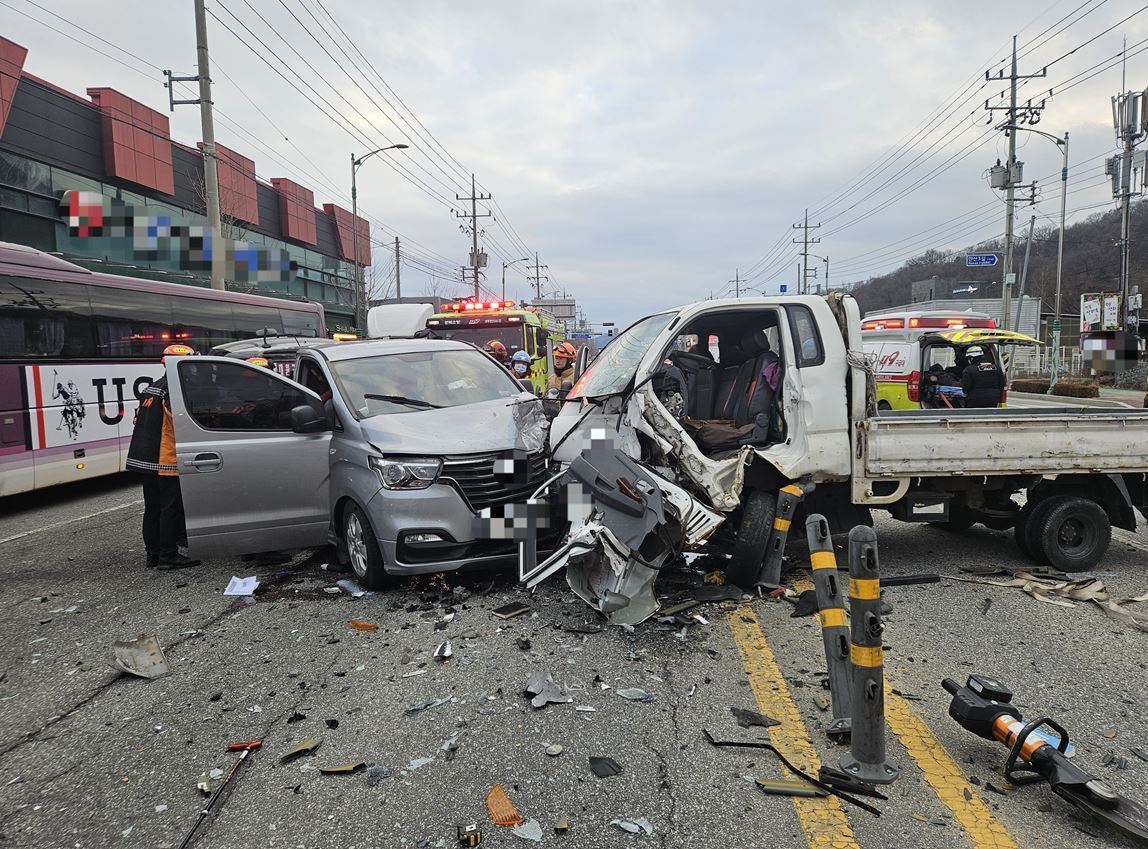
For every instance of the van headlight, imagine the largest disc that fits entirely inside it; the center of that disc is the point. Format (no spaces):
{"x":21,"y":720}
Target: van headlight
{"x":406,"y":472}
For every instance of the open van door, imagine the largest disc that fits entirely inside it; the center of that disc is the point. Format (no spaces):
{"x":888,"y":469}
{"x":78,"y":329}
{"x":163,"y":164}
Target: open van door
{"x":581,"y":361}
{"x":253,"y":454}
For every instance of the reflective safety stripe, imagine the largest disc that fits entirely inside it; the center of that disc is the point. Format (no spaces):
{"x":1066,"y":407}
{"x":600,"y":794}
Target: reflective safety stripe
{"x":865,"y":655}
{"x":823,"y":560}
{"x":865,"y":589}
{"x":832,"y":617}
{"x":794,"y":489}
{"x":780,"y":524}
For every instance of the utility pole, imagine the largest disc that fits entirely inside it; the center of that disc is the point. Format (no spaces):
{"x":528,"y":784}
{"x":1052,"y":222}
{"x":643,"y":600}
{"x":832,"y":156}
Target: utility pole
{"x":805,"y":242}
{"x":207,"y":123}
{"x":1130,"y":119}
{"x":477,"y":260}
{"x":736,"y":282}
{"x":538,"y":277}
{"x":398,"y":271}
{"x":1013,"y":172}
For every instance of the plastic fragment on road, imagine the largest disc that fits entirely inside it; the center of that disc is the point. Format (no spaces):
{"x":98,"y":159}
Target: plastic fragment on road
{"x":523,"y":643}
{"x":305,"y":747}
{"x":208,"y":780}
{"x":416,"y":709}
{"x":142,"y":656}
{"x":241,"y":586}
{"x":635,"y":694}
{"x":332,"y":591}
{"x":509,"y":611}
{"x":635,"y":825}
{"x":501,"y":809}
{"x":752,"y":719}
{"x":362,"y":625}
{"x":543,"y":690}
{"x":418,"y":763}
{"x":562,"y":826}
{"x":350,"y":587}
{"x":443,"y":651}
{"x":780,"y":787}
{"x":585,"y":709}
{"x":806,"y":605}
{"x":555,"y":750}
{"x":342,"y":769}
{"x":604,"y":767}
{"x":469,"y":835}
{"x":376,"y":773}
{"x":530,"y":830}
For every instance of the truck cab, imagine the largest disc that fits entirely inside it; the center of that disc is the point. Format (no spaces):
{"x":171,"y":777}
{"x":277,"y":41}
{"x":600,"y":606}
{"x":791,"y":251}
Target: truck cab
{"x":393,"y":450}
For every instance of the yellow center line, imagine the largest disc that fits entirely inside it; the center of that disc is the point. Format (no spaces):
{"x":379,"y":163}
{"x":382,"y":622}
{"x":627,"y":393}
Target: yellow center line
{"x":983,"y":829}
{"x":822,"y":820}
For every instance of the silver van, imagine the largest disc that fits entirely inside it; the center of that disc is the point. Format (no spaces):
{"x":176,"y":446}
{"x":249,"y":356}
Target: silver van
{"x":393,"y":450}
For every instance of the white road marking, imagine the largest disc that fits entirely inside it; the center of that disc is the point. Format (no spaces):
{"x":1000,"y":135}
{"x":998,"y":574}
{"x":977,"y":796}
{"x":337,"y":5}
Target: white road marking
{"x":70,"y":521}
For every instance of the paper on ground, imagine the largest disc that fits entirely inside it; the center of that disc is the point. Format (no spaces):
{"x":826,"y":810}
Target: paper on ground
{"x":241,"y":586}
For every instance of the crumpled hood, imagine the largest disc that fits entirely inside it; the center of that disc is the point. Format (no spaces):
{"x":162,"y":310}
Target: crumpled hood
{"x":499,"y":425}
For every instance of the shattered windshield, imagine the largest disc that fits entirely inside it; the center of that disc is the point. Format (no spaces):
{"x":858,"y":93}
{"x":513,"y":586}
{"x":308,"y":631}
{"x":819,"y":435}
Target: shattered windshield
{"x":612,"y":370}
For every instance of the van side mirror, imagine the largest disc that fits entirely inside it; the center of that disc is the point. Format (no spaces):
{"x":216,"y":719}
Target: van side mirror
{"x":304,"y":419}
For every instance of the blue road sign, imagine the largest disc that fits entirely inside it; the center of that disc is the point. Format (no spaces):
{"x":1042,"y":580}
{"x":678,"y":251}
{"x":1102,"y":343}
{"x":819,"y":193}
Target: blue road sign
{"x":784,"y":288}
{"x":981,"y":260}
{"x":580,"y":336}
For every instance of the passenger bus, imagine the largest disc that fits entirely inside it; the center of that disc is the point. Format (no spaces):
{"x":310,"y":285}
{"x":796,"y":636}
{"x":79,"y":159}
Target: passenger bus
{"x":919,"y":355}
{"x":519,"y":329}
{"x":78,"y":347}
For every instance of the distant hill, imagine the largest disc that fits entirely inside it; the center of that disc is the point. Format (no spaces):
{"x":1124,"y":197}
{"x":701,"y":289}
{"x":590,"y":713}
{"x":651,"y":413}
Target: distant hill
{"x":1091,"y":263}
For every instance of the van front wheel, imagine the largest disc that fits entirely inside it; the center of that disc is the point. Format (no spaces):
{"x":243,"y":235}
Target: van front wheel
{"x":362,"y":548}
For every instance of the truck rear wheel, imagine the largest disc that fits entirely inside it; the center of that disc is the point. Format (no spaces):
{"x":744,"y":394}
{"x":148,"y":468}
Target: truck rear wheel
{"x":1024,"y":532}
{"x":752,"y":538}
{"x":1073,"y":532}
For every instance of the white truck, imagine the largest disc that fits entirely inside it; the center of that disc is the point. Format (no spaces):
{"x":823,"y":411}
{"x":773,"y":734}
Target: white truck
{"x":725,"y":402}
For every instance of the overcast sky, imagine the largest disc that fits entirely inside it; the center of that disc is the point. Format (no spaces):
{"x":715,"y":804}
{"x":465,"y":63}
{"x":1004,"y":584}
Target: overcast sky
{"x":646,"y":150}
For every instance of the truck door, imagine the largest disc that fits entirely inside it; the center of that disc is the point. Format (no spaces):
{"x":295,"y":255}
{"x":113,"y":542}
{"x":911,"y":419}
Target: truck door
{"x":250,"y":481}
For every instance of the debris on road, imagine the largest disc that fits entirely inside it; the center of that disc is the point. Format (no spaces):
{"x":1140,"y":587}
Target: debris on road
{"x":245,"y":748}
{"x":362,"y":625}
{"x":985,"y":605}
{"x":530,"y":830}
{"x":844,"y":781}
{"x":509,"y":611}
{"x":562,"y":826}
{"x":604,"y":767}
{"x":501,"y":809}
{"x":376,"y":773}
{"x":332,"y":591}
{"x":208,"y":781}
{"x":348,"y":586}
{"x":523,"y":643}
{"x":787,"y":787}
{"x":636,"y":825}
{"x":443,"y":651}
{"x":544,"y":690}
{"x":1065,"y":593}
{"x":343,"y":769}
{"x":242,"y":586}
{"x":635,"y":694}
{"x":142,"y":656}
{"x":418,"y":763}
{"x":555,"y":750}
{"x":806,"y":605}
{"x":469,"y":835}
{"x":306,"y":747}
{"x":416,"y":709}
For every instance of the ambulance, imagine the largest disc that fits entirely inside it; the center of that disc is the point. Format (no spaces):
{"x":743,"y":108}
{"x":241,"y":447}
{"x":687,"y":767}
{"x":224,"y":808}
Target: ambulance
{"x":919,"y":355}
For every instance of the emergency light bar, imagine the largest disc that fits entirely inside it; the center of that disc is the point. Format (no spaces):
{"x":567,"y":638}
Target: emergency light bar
{"x":952,"y":323}
{"x":884,"y":324}
{"x":471,"y":306}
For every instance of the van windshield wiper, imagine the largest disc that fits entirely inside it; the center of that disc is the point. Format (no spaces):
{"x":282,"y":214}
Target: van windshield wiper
{"x":403,"y":400}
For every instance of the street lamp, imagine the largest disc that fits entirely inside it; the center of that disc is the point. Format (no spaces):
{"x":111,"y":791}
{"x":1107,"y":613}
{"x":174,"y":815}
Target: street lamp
{"x":507,"y":265}
{"x":1062,"y":143}
{"x":824,"y":259}
{"x":360,"y":295}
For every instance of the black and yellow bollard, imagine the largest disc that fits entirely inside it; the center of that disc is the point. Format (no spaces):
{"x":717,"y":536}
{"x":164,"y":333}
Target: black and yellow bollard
{"x":866,"y":758}
{"x":834,"y":626}
{"x":787,"y":501}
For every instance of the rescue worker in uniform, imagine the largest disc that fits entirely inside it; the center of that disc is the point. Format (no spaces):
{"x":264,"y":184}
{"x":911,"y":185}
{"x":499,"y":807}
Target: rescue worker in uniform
{"x":152,"y":454}
{"x":497,"y":350}
{"x":982,"y":380}
{"x":520,"y":365}
{"x":564,"y":356}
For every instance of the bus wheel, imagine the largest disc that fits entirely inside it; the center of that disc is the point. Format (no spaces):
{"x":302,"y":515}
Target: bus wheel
{"x":1073,"y":533}
{"x":752,"y":538}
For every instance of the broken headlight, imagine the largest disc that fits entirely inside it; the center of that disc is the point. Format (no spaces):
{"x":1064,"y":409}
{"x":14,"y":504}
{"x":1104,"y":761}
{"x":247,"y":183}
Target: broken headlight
{"x":406,"y":472}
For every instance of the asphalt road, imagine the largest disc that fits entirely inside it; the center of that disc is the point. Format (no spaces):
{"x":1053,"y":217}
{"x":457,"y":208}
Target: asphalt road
{"x":93,"y":758}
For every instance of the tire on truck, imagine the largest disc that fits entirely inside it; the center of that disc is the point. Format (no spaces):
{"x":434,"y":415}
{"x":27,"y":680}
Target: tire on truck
{"x":752,"y":538}
{"x":1025,"y":529}
{"x":1071,"y":533}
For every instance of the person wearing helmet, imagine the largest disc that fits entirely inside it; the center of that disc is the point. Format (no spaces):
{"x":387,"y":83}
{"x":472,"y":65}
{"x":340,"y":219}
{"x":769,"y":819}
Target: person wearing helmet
{"x":982,"y":379}
{"x":520,"y":365}
{"x":152,"y":454}
{"x":564,"y":356}
{"x":497,"y":350}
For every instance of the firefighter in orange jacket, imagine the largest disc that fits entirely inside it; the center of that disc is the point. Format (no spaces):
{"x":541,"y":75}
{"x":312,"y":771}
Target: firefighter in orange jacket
{"x":152,"y":454}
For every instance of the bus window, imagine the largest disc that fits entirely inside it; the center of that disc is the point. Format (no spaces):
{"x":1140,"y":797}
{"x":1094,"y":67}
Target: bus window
{"x":299,"y":322}
{"x":203,"y":323}
{"x":250,"y":321}
{"x":131,"y":324}
{"x":44,"y":319}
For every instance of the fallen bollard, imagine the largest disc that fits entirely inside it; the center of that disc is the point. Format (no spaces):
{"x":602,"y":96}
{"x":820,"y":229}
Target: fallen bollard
{"x":834,"y":628}
{"x":866,"y":758}
{"x":787,"y":501}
